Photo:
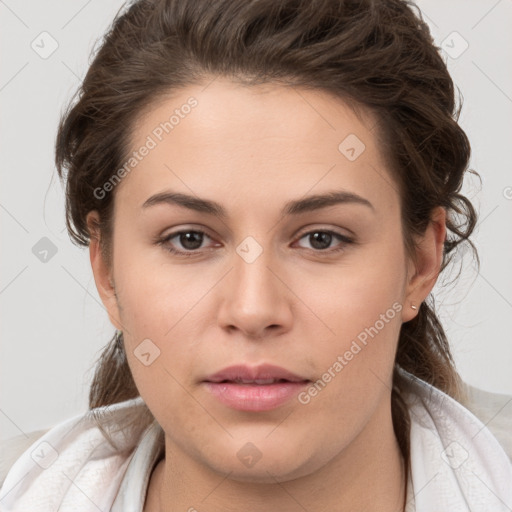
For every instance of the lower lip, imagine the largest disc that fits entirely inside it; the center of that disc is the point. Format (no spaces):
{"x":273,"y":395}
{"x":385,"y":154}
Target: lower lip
{"x":254,"y":397}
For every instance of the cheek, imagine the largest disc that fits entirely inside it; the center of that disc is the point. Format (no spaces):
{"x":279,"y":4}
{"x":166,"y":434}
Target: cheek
{"x":360,"y":311}
{"x":353,"y":296}
{"x":155,"y":294}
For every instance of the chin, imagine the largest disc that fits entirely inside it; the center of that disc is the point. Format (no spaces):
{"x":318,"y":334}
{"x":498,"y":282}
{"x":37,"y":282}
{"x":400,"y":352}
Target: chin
{"x":275,"y":467}
{"x":264,"y":474}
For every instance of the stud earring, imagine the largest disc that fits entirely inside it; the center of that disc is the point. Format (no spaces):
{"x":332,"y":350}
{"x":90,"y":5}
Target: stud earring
{"x":414,"y":307}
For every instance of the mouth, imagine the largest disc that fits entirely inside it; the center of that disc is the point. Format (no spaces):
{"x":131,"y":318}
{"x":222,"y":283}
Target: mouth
{"x":262,"y":374}
{"x":254,"y":389}
{"x":253,"y":382}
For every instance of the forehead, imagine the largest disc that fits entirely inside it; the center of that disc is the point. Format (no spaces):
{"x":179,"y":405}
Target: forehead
{"x":223,"y":137}
{"x":218,"y":110}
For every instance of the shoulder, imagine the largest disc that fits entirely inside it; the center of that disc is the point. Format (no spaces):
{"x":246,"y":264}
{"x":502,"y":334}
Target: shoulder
{"x":78,"y":460}
{"x":489,"y":412}
{"x":494,"y":410}
{"x":454,"y":452}
{"x":12,"y":448}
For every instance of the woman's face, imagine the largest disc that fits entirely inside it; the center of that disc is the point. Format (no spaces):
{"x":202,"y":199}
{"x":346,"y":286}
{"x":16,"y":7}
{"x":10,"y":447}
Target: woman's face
{"x":316,"y":287}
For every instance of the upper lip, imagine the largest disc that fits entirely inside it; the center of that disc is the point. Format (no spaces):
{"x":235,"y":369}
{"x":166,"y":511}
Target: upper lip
{"x":250,"y":373}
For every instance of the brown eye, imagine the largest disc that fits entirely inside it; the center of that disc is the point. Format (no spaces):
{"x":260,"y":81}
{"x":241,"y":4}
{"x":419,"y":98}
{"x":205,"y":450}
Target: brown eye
{"x":321,"y":240}
{"x":190,"y":240}
{"x":184,"y":242}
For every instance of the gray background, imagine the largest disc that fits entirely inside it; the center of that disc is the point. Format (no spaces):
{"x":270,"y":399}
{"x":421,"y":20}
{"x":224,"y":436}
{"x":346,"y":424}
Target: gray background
{"x":53,"y":324}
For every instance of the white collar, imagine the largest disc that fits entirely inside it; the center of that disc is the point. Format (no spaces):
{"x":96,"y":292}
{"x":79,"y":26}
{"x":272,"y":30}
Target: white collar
{"x":133,"y":489}
{"x":457,"y":465}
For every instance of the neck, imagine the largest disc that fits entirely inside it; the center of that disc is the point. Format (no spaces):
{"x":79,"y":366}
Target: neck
{"x":367,"y":475}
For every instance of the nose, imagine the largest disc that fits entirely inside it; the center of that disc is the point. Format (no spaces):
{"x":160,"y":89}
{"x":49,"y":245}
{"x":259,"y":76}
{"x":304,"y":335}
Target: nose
{"x":255,"y":298}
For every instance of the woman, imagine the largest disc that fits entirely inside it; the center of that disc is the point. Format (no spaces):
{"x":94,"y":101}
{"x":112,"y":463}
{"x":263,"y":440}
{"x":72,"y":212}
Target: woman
{"x":269,"y":192}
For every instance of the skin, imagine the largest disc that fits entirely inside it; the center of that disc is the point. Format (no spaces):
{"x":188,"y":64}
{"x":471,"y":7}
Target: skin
{"x":252,"y":150}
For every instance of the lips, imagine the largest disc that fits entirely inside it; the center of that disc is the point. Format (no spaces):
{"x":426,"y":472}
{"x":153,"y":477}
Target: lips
{"x":261,"y":375}
{"x":254,"y":389}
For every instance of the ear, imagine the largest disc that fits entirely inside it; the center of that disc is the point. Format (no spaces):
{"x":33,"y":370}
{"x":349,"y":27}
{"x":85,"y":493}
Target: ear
{"x":102,"y":274}
{"x":423,"y":273}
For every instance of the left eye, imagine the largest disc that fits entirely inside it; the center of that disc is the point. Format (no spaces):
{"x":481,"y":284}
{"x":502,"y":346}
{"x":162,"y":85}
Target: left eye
{"x":321,"y":240}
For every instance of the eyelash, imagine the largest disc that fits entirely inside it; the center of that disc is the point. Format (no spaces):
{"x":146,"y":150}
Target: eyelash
{"x":164,"y":242}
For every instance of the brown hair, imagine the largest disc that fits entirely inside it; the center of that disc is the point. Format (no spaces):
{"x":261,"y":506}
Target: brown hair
{"x":376,"y":55}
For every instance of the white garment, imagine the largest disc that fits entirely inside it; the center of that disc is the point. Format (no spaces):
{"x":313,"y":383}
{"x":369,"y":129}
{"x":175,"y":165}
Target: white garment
{"x":457,"y":465}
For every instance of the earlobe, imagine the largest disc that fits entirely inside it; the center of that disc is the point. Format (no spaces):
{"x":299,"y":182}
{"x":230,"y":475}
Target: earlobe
{"x":423,"y":273}
{"x":102,"y":273}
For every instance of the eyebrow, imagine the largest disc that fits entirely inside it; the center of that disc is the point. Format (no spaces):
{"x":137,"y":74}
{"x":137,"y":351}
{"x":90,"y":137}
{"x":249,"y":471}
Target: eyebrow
{"x":295,"y":207}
